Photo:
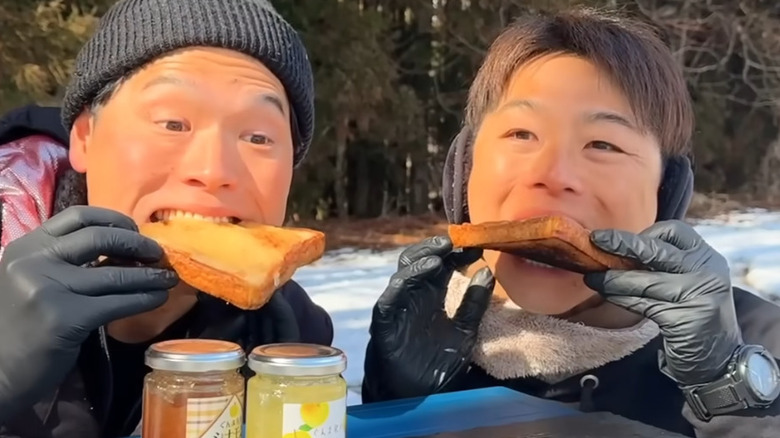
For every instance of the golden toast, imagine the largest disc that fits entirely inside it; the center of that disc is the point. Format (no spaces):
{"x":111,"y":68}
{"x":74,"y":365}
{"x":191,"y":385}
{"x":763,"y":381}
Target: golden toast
{"x":241,"y":264}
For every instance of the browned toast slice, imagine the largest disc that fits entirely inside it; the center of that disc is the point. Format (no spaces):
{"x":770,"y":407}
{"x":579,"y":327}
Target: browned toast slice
{"x":241,"y":264}
{"x":553,"y":240}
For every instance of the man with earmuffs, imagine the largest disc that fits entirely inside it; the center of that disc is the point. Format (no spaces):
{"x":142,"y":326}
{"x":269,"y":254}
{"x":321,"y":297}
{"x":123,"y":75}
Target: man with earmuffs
{"x":583,"y":114}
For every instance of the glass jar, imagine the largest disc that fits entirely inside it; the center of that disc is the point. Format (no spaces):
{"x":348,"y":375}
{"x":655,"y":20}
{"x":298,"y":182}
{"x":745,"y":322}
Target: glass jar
{"x":297,"y":392}
{"x":195,"y":389}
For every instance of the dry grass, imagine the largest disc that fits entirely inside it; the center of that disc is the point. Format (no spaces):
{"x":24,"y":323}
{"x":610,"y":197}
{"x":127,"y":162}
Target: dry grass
{"x":710,"y":205}
{"x":379,"y":233}
{"x":706,"y":206}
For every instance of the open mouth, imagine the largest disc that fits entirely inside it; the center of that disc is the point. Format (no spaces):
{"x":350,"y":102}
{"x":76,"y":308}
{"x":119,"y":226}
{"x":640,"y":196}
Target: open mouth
{"x":168,"y":215}
{"x":539,"y":264}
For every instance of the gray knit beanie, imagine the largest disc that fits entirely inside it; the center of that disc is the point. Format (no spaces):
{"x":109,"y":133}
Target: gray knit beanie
{"x":135,"y":32}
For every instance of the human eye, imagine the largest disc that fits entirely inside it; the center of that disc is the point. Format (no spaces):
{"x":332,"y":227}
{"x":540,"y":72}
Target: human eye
{"x":521,"y":134}
{"x":173,"y":125}
{"x":257,"y":138}
{"x":603,"y":146}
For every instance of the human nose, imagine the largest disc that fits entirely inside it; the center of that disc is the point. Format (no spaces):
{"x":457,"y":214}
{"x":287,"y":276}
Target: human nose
{"x":554,"y":168}
{"x":210,"y":162}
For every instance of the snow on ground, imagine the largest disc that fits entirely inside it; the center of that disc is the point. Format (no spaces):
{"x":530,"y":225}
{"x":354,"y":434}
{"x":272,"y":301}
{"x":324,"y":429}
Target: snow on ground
{"x":348,"y":282}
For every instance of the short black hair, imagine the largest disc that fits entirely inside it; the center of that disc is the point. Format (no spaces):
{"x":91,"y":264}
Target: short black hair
{"x":629,"y":50}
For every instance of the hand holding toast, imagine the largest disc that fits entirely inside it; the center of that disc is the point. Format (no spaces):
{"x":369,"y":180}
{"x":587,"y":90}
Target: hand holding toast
{"x":50,"y":302}
{"x":687,"y":292}
{"x":415,"y":348}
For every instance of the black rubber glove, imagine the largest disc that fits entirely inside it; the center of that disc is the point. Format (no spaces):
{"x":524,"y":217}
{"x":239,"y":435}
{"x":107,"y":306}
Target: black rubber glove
{"x":687,"y":292}
{"x":50,"y":302}
{"x":415,"y":348}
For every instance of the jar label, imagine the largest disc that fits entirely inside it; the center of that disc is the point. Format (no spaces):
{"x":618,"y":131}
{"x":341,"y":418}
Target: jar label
{"x":315,"y":420}
{"x":215,"y":417}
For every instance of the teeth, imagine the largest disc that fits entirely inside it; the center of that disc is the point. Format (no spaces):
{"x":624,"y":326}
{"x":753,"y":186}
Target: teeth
{"x":539,"y":264}
{"x":167,"y":215}
{"x":277,"y":280}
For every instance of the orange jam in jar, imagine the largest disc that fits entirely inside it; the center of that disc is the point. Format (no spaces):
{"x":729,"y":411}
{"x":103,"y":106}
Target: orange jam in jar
{"x":195,"y":390}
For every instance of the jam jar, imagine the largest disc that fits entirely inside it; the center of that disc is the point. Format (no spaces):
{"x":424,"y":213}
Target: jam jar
{"x":297,"y":392}
{"x":195,"y":389}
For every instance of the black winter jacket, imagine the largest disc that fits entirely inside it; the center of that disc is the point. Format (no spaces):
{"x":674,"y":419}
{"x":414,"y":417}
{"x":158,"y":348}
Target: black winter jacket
{"x":101,"y":397}
{"x":633,"y":387}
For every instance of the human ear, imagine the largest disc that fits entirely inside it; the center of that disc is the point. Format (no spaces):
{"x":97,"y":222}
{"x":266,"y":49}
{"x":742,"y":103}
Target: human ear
{"x":80,"y":138}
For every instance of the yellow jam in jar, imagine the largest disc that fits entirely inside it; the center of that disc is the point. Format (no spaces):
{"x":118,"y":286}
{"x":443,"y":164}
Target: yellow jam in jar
{"x":195,"y":390}
{"x":297,"y":392}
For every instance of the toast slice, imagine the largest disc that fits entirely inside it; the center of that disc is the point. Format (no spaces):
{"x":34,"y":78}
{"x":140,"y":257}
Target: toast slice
{"x":553,"y":240}
{"x":241,"y":264}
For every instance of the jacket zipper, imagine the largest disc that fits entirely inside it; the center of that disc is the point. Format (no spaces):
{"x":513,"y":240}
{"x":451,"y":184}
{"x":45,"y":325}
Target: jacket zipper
{"x":110,"y":381}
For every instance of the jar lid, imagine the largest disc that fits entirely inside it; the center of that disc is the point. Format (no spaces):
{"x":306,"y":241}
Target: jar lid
{"x":195,"y":355}
{"x":297,"y":360}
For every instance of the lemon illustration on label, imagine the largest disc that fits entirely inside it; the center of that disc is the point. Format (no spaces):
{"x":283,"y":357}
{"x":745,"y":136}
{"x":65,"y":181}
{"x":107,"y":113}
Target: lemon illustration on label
{"x":297,"y":434}
{"x":314,"y":414}
{"x":235,"y":410}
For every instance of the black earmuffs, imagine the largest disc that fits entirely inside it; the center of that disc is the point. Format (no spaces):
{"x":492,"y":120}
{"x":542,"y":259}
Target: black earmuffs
{"x":674,"y":195}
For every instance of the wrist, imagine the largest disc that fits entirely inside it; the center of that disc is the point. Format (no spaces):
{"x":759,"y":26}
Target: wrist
{"x":751,"y":380}
{"x":21,"y":392}
{"x":714,"y":368}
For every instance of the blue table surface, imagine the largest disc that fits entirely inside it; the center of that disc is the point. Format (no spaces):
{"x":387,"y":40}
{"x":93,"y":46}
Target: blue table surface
{"x":449,"y":412}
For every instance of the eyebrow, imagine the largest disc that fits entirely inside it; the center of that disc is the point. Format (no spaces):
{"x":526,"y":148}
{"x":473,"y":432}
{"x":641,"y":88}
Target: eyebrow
{"x":596,"y":116}
{"x":263,"y":98}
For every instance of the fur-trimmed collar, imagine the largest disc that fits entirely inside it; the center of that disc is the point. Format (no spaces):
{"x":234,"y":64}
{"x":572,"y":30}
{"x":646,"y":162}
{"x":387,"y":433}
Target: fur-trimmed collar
{"x":514,"y":343}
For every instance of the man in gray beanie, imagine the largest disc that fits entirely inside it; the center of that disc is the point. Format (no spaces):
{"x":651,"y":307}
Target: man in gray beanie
{"x":196,"y":109}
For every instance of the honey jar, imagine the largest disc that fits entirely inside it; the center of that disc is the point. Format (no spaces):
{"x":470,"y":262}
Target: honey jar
{"x":195,"y":390}
{"x":297,"y":392}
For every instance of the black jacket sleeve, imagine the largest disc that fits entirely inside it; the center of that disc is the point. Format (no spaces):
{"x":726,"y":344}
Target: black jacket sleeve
{"x":760,"y":323}
{"x":33,"y":120}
